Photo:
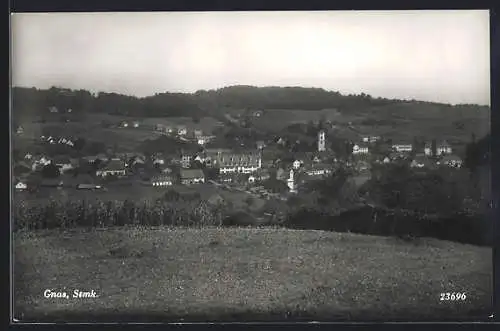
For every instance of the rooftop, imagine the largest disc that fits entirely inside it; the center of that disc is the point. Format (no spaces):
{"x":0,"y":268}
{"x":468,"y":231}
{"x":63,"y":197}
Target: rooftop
{"x":191,"y":173}
{"x":114,"y":165}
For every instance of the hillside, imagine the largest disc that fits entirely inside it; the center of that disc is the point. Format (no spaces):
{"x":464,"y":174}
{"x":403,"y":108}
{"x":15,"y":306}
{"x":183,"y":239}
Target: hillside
{"x":257,"y":274}
{"x":32,"y":101}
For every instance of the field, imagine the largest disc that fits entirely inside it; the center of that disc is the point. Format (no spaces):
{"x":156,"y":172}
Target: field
{"x":127,"y":138}
{"x":167,"y":274}
{"x":134,"y":192}
{"x":401,"y":121}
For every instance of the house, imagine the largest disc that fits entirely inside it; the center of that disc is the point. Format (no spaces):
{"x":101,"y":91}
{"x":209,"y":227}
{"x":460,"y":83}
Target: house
{"x":162,"y":180}
{"x":115,"y":167}
{"x":20,"y":185}
{"x":237,"y":162}
{"x":135,"y":124}
{"x":257,"y":113}
{"x":191,"y":176}
{"x":53,"y":109}
{"x":197,"y":133}
{"x":443,"y":148}
{"x":371,"y":139}
{"x":386,"y":160}
{"x":181,"y":130}
{"x":400,"y":148}
{"x":166,"y":170}
{"x":20,"y":130}
{"x":101,"y":157}
{"x":428,"y":149}
{"x":251,"y":179}
{"x":28,"y":156}
{"x":420,"y":161}
{"x":64,"y":163}
{"x":158,"y":161}
{"x":451,"y":161}
{"x":261,"y":175}
{"x":202,"y":140}
{"x":260,"y":144}
{"x":186,"y":160}
{"x":124,"y":125}
{"x":137,"y":161}
{"x":88,"y":187}
{"x":359,"y":149}
{"x":318,"y":170}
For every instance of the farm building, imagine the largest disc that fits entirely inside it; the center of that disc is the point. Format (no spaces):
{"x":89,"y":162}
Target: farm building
{"x":114,"y":167}
{"x":192,"y":176}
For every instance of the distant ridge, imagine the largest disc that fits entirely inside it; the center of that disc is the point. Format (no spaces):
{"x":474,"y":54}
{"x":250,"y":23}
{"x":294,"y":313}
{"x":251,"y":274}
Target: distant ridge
{"x":33,"y":100}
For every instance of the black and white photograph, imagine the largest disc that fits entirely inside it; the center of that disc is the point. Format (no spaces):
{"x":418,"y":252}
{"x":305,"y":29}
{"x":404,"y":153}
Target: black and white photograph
{"x":251,"y":166}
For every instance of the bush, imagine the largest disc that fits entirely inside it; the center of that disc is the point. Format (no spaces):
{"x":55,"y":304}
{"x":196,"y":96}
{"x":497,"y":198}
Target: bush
{"x":60,"y":214}
{"x":377,"y":221}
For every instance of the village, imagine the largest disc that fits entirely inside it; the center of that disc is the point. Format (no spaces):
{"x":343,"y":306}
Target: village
{"x":260,"y":171}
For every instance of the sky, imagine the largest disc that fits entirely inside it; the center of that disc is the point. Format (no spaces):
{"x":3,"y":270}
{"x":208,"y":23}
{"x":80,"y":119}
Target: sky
{"x":440,"y":56}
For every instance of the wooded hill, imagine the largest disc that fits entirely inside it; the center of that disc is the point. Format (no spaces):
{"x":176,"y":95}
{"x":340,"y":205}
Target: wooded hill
{"x":36,"y":102}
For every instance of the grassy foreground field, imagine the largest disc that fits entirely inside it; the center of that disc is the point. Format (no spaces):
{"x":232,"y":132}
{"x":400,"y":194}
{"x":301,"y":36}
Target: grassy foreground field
{"x":167,"y":274}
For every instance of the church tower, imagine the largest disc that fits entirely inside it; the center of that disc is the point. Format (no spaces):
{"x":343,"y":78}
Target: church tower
{"x":291,"y":182}
{"x":321,"y":141}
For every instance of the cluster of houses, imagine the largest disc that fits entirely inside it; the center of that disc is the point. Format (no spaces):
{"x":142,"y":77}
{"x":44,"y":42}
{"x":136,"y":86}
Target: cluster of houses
{"x":432,"y":153}
{"x":57,"y":140}
{"x":181,"y":131}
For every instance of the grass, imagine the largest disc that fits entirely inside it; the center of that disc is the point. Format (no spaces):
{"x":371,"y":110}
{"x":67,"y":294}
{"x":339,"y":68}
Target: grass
{"x":243,"y":273}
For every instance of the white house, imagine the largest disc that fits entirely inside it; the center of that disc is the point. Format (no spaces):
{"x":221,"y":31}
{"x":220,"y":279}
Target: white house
{"x":318,"y":170}
{"x":158,"y":160}
{"x":242,"y":163}
{"x":114,"y":167}
{"x":443,"y":148}
{"x":402,"y":147}
{"x":371,"y":139}
{"x":202,"y":140}
{"x":161,"y":181}
{"x":359,"y":149}
{"x":21,"y":186}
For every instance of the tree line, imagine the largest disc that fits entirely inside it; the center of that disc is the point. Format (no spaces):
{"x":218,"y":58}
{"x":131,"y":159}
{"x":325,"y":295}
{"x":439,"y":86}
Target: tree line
{"x":36,"y":102}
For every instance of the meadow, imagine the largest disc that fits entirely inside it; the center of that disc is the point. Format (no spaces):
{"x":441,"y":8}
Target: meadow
{"x":399,"y":122}
{"x":187,"y":274}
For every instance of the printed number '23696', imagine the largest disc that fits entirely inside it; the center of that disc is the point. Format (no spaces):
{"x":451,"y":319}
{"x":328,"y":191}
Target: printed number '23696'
{"x":458,"y":296}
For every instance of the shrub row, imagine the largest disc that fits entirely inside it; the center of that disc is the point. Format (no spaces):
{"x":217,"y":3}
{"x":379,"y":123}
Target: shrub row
{"x":461,"y":228}
{"x":69,"y":214}
{"x":198,"y":213}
